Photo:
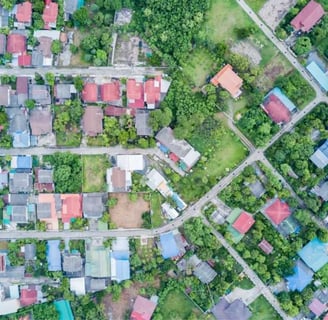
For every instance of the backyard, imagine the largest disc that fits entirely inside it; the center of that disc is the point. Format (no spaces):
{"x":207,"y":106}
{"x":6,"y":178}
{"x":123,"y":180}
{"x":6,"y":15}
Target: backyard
{"x":155,"y":204}
{"x":262,"y":310}
{"x":94,"y":173}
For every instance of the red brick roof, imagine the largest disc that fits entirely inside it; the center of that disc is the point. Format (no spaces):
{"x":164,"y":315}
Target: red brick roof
{"x":278,"y":211}
{"x":24,"y":12}
{"x":244,"y":222}
{"x":153,"y":90}
{"x":110,"y":91}
{"x":143,"y":309}
{"x":71,"y":207}
{"x":308,"y":16}
{"x":265,"y":246}
{"x":24,"y":60}
{"x":22,"y":85}
{"x":50,"y":14}
{"x":16,"y":43}
{"x":115,"y":111}
{"x":92,"y":121}
{"x":28,"y":297}
{"x":135,"y":94}
{"x":276,"y":110}
{"x":90,"y":92}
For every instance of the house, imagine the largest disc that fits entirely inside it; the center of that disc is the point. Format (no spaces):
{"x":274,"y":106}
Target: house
{"x":318,"y":74}
{"x":18,"y":128}
{"x":93,"y":121}
{"x":40,"y":121}
{"x":131,"y":162}
{"x":53,"y":255}
{"x":16,"y":44}
{"x":201,"y":270}
{"x":301,"y":277}
{"x":321,"y":190}
{"x":265,"y":246}
{"x":142,"y":123}
{"x":111,"y":93}
{"x":71,"y":207}
{"x":18,"y":214}
{"x":22,"y":163}
{"x":22,"y":89}
{"x":20,"y":182}
{"x":236,"y":310}
{"x":2,"y":262}
{"x":315,"y":254}
{"x":179,"y":150}
{"x":72,"y":264}
{"x":3,"y":179}
{"x":256,"y":188}
{"x":170,"y":212}
{"x":77,"y":285}
{"x":42,"y":54}
{"x":97,"y":259}
{"x":320,"y":156}
{"x":30,"y":252}
{"x":23,"y":14}
{"x":278,"y":107}
{"x":155,"y":181}
{"x":24,"y":60}
{"x":44,"y":181}
{"x":9,"y":306}
{"x":317,"y":307}
{"x":309,"y":16}
{"x":143,"y":309}
{"x":152,"y":92}
{"x":112,"y":111}
{"x":70,"y":6}
{"x":277,"y":211}
{"x":135,"y":93}
{"x":93,"y":285}
{"x":90,"y":92}
{"x":5,"y":95}
{"x":118,"y":180}
{"x":18,"y":199}
{"x":119,"y":260}
{"x":39,"y":93}
{"x":46,"y":209}
{"x":28,"y":296}
{"x":14,"y":291}
{"x":168,"y":245}
{"x":4,"y":17}
{"x":93,"y":205}
{"x":50,"y":13}
{"x":228,"y":80}
{"x":63,"y":91}
{"x":244,"y":222}
{"x":64,"y":309}
{"x":3,"y":44}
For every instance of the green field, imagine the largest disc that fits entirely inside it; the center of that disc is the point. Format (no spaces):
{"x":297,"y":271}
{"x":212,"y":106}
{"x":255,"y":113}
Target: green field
{"x":68,"y":139}
{"x":244,"y":283}
{"x":262,"y":310}
{"x":94,"y":173}
{"x":155,"y":204}
{"x":256,"y":5}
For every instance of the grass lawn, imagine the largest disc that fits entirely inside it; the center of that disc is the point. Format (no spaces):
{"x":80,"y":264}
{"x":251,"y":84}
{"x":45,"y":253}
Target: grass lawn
{"x":155,"y":204}
{"x":94,"y":173}
{"x":245,"y":283}
{"x":68,"y":139}
{"x":262,"y":310}
{"x":256,"y":5}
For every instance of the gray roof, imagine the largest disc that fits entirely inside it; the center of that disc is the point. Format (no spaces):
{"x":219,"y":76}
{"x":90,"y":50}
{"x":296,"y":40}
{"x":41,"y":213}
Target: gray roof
{"x":72,"y":263}
{"x":39,"y":93}
{"x":14,"y":100}
{"x":40,"y":121}
{"x":62,"y":91}
{"x":3,"y":179}
{"x":13,"y":272}
{"x":321,"y":191}
{"x":43,"y":210}
{"x":30,"y":251}
{"x":97,"y":284}
{"x":19,"y":214}
{"x":37,"y":58}
{"x":320,"y":157}
{"x":4,"y":95}
{"x":45,"y":176}
{"x":20,"y":183}
{"x":93,"y":205}
{"x":236,"y":310}
{"x":70,"y":6}
{"x":204,"y":272}
{"x":143,"y":128}
{"x":257,"y":188}
{"x":3,"y":42}
{"x":4,"y":17}
{"x":18,"y":124}
{"x":18,"y":199}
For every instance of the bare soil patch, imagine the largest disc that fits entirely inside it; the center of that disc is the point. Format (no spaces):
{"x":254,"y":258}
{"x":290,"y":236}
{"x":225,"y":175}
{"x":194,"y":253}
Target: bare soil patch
{"x":247,"y":49}
{"x":127,"y":214}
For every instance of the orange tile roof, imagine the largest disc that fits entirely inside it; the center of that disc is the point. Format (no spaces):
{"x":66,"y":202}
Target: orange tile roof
{"x":228,"y":80}
{"x":71,"y":207}
{"x":90,"y":92}
{"x":110,"y":91}
{"x":153,"y":90}
{"x":52,"y":223}
{"x":135,"y":93}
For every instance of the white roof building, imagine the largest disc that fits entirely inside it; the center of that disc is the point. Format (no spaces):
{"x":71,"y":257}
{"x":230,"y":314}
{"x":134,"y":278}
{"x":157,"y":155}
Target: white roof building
{"x":77,"y":285}
{"x":131,"y":162}
{"x":9,"y":306}
{"x":169,"y":211}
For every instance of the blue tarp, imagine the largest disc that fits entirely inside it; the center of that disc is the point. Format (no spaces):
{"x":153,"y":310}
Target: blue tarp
{"x":301,"y":278}
{"x":315,"y":254}
{"x":53,"y":255}
{"x":318,"y":75}
{"x":281,"y":96}
{"x":168,"y":245}
{"x":24,"y":162}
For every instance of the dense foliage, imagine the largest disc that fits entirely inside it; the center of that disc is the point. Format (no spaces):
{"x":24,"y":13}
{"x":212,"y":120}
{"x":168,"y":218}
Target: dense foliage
{"x":5,"y":139}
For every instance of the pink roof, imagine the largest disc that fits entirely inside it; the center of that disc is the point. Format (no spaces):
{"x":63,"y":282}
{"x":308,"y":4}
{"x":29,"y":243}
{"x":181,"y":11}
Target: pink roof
{"x":16,"y":43}
{"x":24,"y":60}
{"x":265,"y":246}
{"x":22,"y":85}
{"x":278,"y":211}
{"x":143,"y":309}
{"x":276,"y":110}
{"x":71,"y":207}
{"x":308,"y":16}
{"x":93,"y":120}
{"x":24,"y":12}
{"x":110,"y":91}
{"x":135,"y":94}
{"x":174,"y":157}
{"x":244,"y":222}
{"x":115,"y":111}
{"x":153,"y":90}
{"x":50,"y":14}
{"x":317,"y":307}
{"x":28,"y":297}
{"x":326,"y":317}
{"x":90,"y":92}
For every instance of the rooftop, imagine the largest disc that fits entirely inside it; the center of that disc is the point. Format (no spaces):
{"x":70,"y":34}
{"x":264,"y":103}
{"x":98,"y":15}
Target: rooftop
{"x":93,"y":205}
{"x":50,"y":14}
{"x":318,"y":75}
{"x":28,"y":297}
{"x":24,"y":12}
{"x":93,"y":121}
{"x":168,"y":245}
{"x":71,"y":207}
{"x":40,"y":121}
{"x":143,"y":309}
{"x":265,"y":246}
{"x":53,"y":255}
{"x":236,"y":310}
{"x":142,"y":125}
{"x":317,"y":307}
{"x":20,"y":183}
{"x":135,"y":93}
{"x":16,"y":43}
{"x":278,"y":211}
{"x":72,"y":263}
{"x":131,"y":162}
{"x":110,"y":92}
{"x":301,"y":278}
{"x":90,"y":92}
{"x":244,"y":222}
{"x":320,"y":156}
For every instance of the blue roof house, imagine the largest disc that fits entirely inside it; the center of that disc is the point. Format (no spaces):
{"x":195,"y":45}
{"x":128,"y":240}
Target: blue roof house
{"x":315,"y":254}
{"x":168,"y":245}
{"x":53,"y":255}
{"x":318,"y":75}
{"x":120,"y":265}
{"x":320,"y":157}
{"x":301,"y":278}
{"x":21,"y":162}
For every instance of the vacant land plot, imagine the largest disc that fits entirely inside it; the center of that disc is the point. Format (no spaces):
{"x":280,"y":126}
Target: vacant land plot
{"x":262,"y":310}
{"x":155,"y":204}
{"x":248,"y":49}
{"x":128,"y":214}
{"x":76,"y":59}
{"x":94,"y":173}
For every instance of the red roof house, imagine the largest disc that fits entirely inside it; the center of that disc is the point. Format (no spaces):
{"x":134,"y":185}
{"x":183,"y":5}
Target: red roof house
{"x":143,"y":309}
{"x":2,"y":263}
{"x":90,"y":92}
{"x":28,"y":297}
{"x":152,"y":91}
{"x":276,"y":110}
{"x":308,"y":17}
{"x":50,"y":14}
{"x":93,"y":121}
{"x":317,"y":307}
{"x":110,"y":92}
{"x":135,"y":94}
{"x":22,"y":85}
{"x":278,"y":211}
{"x":244,"y":222}
{"x":24,"y":12}
{"x":16,"y":43}
{"x":71,"y":207}
{"x":265,"y":246}
{"x":112,"y":111}
{"x":25,"y":60}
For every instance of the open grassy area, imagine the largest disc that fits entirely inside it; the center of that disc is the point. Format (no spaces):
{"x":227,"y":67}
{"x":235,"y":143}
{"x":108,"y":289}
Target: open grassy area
{"x":155,"y":204}
{"x":94,"y":173}
{"x":68,"y":139}
{"x":244,"y":283}
{"x":262,"y":310}
{"x":256,"y":5}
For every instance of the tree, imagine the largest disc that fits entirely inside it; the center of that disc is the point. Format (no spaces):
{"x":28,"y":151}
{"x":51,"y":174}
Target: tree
{"x":302,"y":46}
{"x":160,"y":118}
{"x":56,"y":47}
{"x":81,"y":17}
{"x":74,"y":49}
{"x":50,"y":78}
{"x":78,"y":83}
{"x":30,"y":104}
{"x":8,"y":4}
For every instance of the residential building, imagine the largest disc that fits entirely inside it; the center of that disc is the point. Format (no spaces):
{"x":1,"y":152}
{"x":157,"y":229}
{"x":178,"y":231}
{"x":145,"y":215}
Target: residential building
{"x":18,"y":128}
{"x":169,"y":212}
{"x":28,"y":296}
{"x":172,"y":244}
{"x":152,"y":92}
{"x":156,"y":181}
{"x":20,"y":182}
{"x":277,"y":211}
{"x":3,"y":179}
{"x":309,"y":16}
{"x":24,"y":60}
{"x":256,"y":188}
{"x":142,"y":123}
{"x":318,"y":74}
{"x":21,"y":163}
{"x":50,"y":14}
{"x":122,"y":16}
{"x":93,"y":121}
{"x":71,"y":207}
{"x":77,"y":285}
{"x":18,"y":213}
{"x":131,"y":162}
{"x":321,"y":190}
{"x":53,"y":255}
{"x":228,"y":80}
{"x":40,"y":94}
{"x":320,"y":157}
{"x":244,"y":222}
{"x":44,"y":181}
{"x":265,"y":246}
{"x":119,"y":260}
{"x":236,"y":310}
{"x":111,"y":93}
{"x":70,"y":6}
{"x":93,"y":205}
{"x":118,"y":180}
{"x":97,"y":259}
{"x":90,"y":92}
{"x":9,"y":306}
{"x":30,"y":252}
{"x":301,"y":277}
{"x":113,"y":111}
{"x":4,"y":17}
{"x":5,"y":95}
{"x":42,"y":54}
{"x":64,"y":91}
{"x":46,"y":208}
{"x":135,"y":93}
{"x":16,"y":44}
{"x":23,"y":14}
{"x":201,"y":270}
{"x":143,"y":309}
{"x":3,"y":43}
{"x":64,"y":309}
{"x":22,"y":90}
{"x":317,"y":307}
{"x":72,"y":264}
{"x":40,"y":121}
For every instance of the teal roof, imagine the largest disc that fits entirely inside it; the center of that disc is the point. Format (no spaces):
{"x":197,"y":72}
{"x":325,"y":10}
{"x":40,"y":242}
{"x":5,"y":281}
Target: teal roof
{"x":64,"y":309}
{"x":284,"y":99}
{"x":318,"y":74}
